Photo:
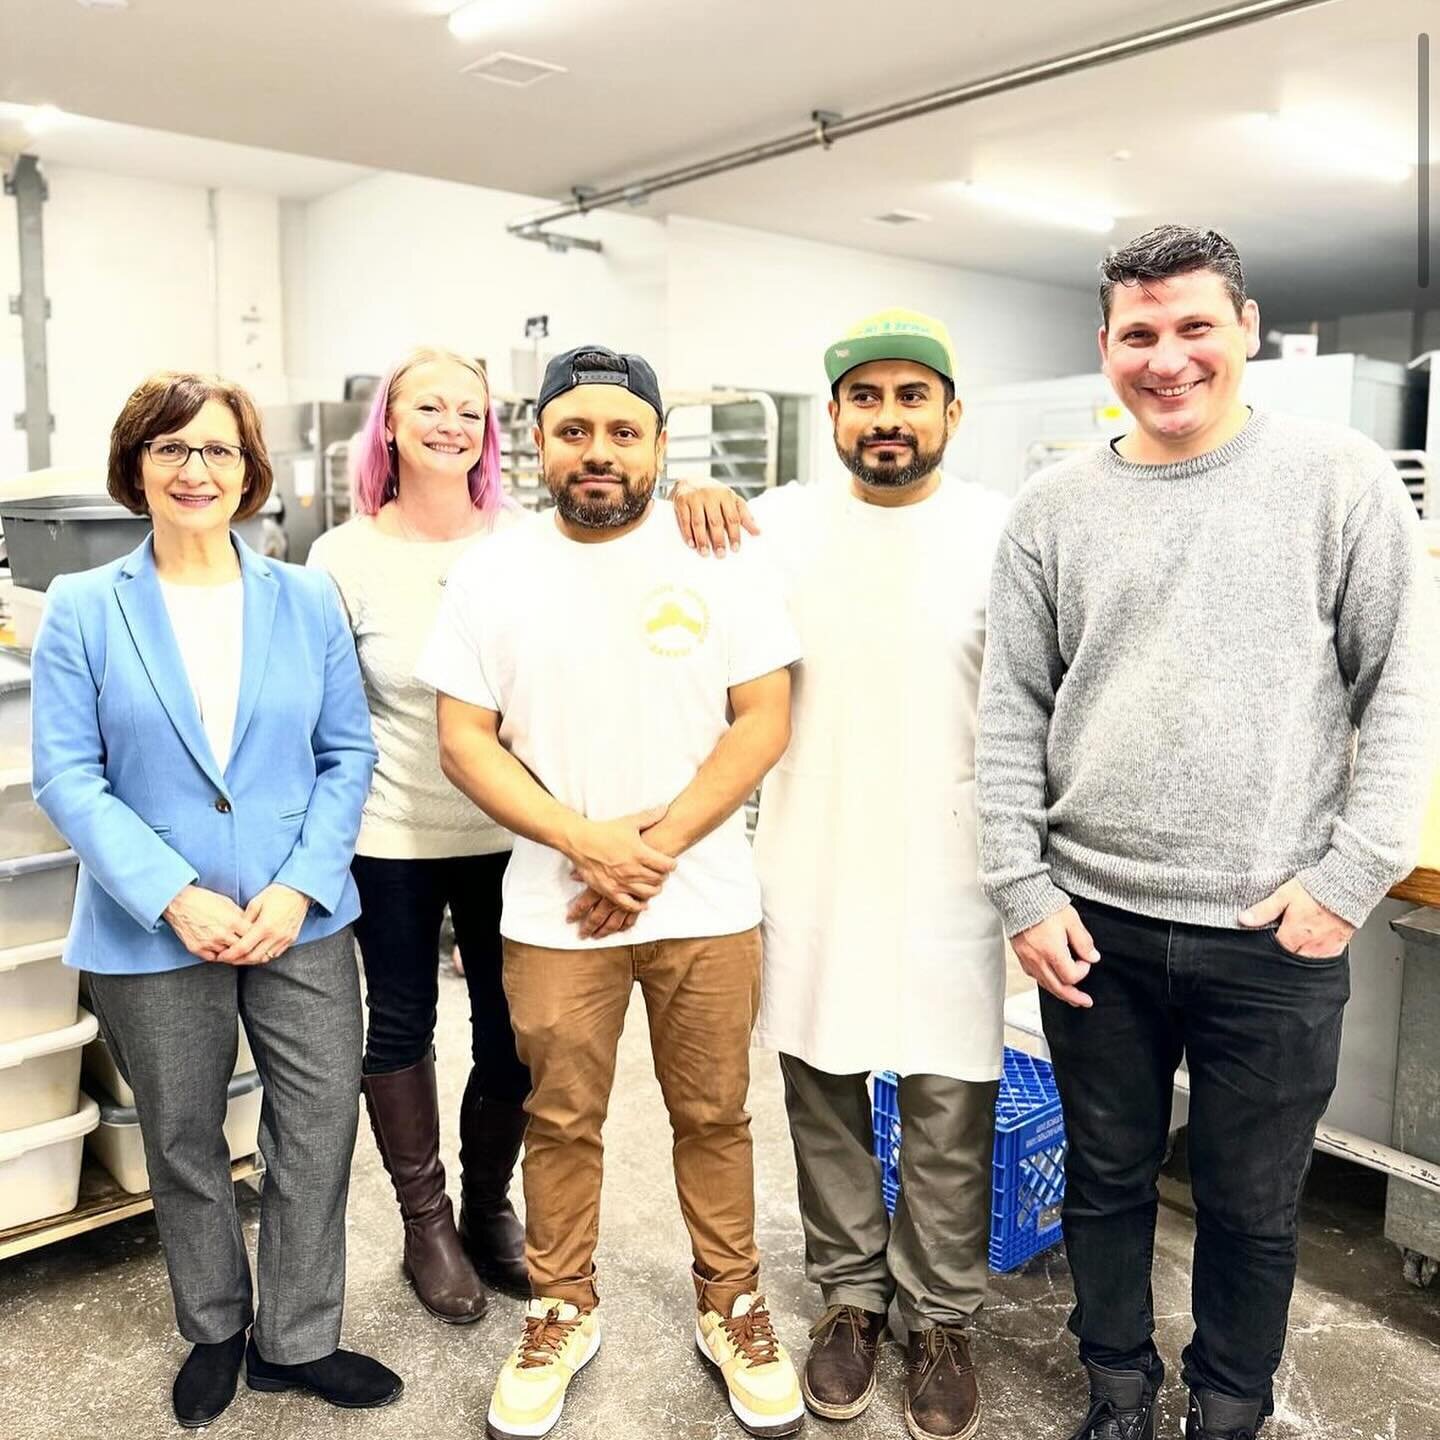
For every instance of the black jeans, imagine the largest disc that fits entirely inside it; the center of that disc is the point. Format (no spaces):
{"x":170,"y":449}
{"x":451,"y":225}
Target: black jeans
{"x":402,"y":904}
{"x":1260,"y":1030}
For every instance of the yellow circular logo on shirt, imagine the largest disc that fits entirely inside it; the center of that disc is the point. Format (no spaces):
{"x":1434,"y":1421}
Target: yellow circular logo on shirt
{"x":676,"y":620}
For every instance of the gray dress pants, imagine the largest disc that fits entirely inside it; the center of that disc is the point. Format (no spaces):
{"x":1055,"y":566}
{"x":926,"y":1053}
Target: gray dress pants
{"x":173,"y":1036}
{"x":933,"y":1257}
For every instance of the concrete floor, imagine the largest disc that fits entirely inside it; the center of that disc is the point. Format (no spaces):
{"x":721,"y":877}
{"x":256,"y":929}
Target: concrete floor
{"x":88,"y":1348}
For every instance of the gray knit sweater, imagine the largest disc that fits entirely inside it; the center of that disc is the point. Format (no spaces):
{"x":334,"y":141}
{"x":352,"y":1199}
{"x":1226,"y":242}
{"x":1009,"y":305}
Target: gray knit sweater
{"x":1203,"y":679}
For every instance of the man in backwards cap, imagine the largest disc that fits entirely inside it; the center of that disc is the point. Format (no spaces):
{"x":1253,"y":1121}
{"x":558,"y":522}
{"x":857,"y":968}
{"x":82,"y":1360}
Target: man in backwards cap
{"x":585,"y":665}
{"x":880,"y":949}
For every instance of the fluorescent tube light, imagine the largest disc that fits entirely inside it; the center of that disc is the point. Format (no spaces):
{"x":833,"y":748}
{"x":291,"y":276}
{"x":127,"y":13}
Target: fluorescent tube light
{"x":1334,"y":144}
{"x":1043,"y":212}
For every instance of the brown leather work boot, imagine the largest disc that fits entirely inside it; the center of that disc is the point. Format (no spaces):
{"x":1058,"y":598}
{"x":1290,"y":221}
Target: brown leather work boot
{"x":404,"y":1115}
{"x":942,"y":1400}
{"x":839,"y":1377}
{"x":491,"y":1133}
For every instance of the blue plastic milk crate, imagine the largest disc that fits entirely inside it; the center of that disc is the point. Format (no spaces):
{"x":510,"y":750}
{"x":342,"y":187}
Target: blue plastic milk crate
{"x":1029,"y":1179}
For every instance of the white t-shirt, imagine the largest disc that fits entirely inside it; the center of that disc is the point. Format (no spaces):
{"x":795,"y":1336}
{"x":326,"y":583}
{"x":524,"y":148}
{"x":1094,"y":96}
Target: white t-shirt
{"x":881,"y":950}
{"x":209,"y":626}
{"x":610,"y":665}
{"x":391,"y":588}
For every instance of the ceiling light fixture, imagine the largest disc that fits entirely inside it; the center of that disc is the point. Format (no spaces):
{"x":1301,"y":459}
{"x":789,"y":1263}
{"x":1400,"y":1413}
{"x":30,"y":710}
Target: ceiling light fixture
{"x":1336,"y":144}
{"x":42,"y":118}
{"x":104,"y":4}
{"x":1044,"y":212}
{"x":480,"y":16}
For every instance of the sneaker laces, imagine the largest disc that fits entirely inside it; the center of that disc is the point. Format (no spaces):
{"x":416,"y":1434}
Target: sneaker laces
{"x":1105,"y":1422}
{"x":753,"y":1334}
{"x":545,"y":1336}
{"x":851,"y":1315}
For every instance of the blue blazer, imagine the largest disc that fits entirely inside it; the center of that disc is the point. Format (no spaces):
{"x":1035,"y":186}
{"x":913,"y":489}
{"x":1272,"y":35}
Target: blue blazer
{"x":123,"y":768}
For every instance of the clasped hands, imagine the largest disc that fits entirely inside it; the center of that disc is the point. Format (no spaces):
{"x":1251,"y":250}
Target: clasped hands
{"x":622,"y":864}
{"x":1060,"y":952}
{"x":212,"y":926}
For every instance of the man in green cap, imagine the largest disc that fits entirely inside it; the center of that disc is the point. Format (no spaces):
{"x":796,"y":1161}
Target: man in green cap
{"x":880,"y":950}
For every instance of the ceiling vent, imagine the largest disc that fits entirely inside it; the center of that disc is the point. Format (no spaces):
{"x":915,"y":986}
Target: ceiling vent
{"x":513,"y":70}
{"x":899,"y":217}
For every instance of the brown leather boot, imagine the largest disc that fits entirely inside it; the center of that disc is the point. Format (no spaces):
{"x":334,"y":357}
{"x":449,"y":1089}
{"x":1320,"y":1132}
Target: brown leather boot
{"x":491,"y":1133}
{"x":942,"y":1400}
{"x":839,"y":1377}
{"x":405,"y":1118}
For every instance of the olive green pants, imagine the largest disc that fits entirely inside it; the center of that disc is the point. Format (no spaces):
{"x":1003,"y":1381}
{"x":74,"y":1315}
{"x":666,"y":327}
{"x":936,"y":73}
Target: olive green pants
{"x":932,"y":1257}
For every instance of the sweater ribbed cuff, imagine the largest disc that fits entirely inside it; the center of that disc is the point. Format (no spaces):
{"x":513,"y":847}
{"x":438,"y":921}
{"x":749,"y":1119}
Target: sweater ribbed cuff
{"x":1027,"y":901}
{"x":1342,"y":886}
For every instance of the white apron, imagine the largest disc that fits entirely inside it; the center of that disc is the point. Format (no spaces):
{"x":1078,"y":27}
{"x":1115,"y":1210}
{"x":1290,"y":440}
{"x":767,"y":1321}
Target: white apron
{"x":881,"y":951}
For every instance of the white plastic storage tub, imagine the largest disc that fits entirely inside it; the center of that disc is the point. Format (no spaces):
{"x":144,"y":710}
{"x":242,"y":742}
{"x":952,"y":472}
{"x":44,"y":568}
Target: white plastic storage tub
{"x":106,"y":1080}
{"x":40,"y":1166}
{"x":37,"y":893}
{"x":40,"y":1075}
{"x":37,"y":991}
{"x":117,"y":1145}
{"x":14,"y":710}
{"x":25,"y":829}
{"x":26,"y":609}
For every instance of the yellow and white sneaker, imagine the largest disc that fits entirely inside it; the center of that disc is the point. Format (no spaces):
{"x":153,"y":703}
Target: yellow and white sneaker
{"x":530,"y":1391}
{"x":764,"y":1391}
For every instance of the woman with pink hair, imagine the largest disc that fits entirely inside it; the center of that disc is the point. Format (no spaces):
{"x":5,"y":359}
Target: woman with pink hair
{"x":426,"y":478}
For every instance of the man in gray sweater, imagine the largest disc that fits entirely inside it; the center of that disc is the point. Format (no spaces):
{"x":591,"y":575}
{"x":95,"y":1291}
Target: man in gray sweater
{"x":1203,"y":757}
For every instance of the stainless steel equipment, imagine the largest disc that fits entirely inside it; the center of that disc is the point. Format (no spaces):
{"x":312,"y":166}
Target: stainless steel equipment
{"x":730,"y":435}
{"x":309,"y":445}
{"x":52,"y":535}
{"x":1412,"y":1207}
{"x":1009,"y":431}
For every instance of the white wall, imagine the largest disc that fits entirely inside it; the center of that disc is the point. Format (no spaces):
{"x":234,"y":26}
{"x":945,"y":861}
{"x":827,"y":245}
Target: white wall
{"x":393,"y":261}
{"x":251,"y":300}
{"x":304,"y":293}
{"x":130,"y":274}
{"x":748,"y":308}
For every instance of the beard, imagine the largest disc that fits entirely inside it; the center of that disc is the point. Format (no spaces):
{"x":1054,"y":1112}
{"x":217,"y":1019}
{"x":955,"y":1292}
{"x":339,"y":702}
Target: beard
{"x":600,"y":513}
{"x":887,"y":474}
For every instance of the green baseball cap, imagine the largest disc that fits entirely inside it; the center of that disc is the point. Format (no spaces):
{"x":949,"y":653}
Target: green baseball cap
{"x":893,"y":335}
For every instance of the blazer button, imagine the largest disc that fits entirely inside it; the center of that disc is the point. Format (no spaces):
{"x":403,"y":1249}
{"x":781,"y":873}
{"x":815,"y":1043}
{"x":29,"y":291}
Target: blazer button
{"x":223,"y":805}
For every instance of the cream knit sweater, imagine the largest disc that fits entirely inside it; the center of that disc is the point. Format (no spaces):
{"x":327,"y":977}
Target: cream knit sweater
{"x":391,"y":589}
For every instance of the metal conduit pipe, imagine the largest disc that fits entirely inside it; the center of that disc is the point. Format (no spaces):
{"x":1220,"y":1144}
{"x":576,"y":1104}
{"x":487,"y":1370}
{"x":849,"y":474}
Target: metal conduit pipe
{"x":826,"y":130}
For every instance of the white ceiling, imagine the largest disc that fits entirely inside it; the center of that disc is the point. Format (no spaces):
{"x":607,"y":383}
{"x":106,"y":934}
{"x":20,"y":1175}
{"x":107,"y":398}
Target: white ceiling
{"x":377,"y":84}
{"x":164,"y":155}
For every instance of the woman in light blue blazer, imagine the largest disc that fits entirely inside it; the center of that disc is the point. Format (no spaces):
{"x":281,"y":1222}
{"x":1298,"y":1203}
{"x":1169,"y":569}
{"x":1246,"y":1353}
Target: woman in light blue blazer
{"x":201,"y":738}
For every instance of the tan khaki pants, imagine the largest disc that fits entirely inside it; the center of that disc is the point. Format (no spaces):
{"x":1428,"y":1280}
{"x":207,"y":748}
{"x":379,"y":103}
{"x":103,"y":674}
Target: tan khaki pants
{"x":568,"y":1008}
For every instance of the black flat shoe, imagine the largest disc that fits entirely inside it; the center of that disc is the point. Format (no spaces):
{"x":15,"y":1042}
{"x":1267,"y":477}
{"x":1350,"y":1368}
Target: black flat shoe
{"x":343,"y":1378}
{"x":205,"y":1385}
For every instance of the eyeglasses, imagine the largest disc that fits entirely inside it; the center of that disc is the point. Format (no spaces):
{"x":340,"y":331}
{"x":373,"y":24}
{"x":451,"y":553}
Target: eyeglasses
{"x":175,"y":454}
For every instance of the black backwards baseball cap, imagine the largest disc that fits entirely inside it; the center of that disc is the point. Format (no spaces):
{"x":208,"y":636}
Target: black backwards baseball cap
{"x":630,"y":372}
